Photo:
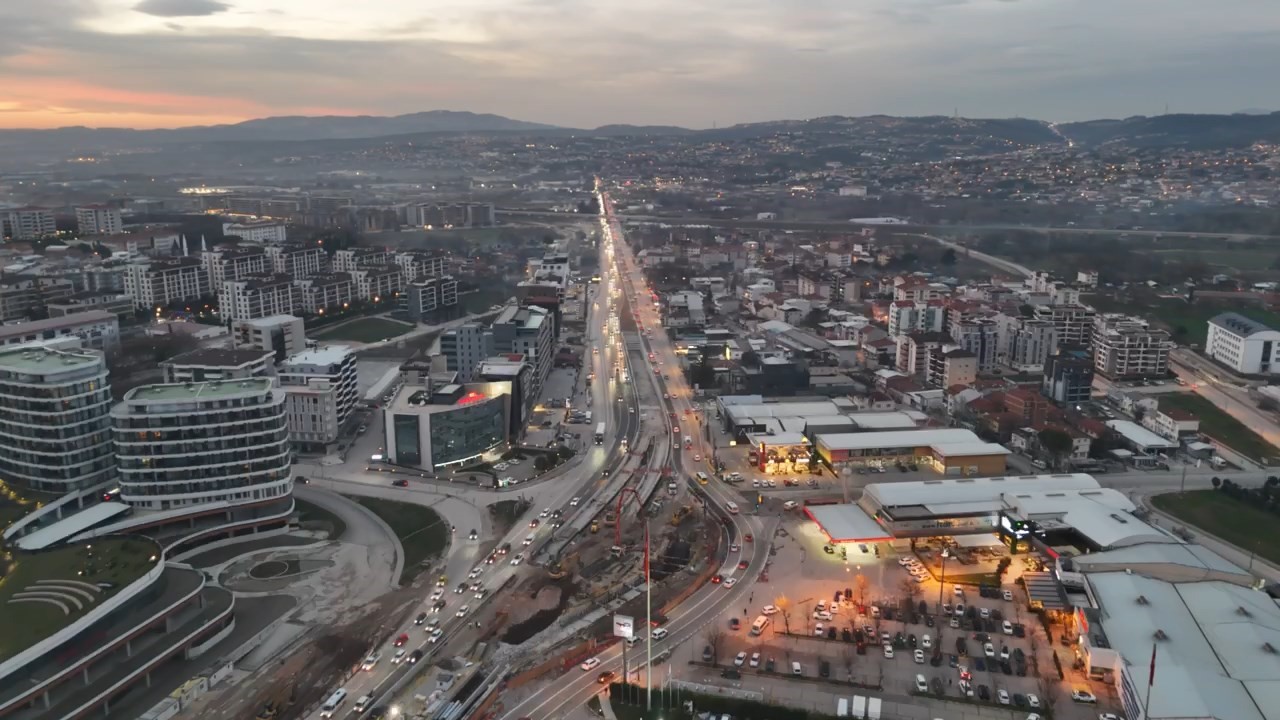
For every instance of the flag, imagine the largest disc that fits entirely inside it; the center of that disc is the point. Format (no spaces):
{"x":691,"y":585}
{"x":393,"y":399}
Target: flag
{"x":1151,"y":678}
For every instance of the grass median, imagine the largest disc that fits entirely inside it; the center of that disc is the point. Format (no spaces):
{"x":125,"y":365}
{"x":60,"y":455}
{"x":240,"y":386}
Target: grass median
{"x":365,"y":330}
{"x":422,"y":532}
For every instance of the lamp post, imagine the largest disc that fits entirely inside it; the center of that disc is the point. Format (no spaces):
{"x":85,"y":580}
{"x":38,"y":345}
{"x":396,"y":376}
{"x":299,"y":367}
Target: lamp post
{"x":942,"y":579}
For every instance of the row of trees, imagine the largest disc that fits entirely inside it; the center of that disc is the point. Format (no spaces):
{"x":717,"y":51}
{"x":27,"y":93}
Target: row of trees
{"x":1266,"y":498}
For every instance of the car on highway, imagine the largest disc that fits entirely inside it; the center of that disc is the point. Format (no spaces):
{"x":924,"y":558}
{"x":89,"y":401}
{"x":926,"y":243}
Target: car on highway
{"x":730,"y":582}
{"x":402,"y":639}
{"x":742,"y":565}
{"x":697,"y":458}
{"x":400,"y":483}
{"x":415,"y":656}
{"x":659,"y":633}
{"x":422,"y":617}
{"x":717,"y":579}
{"x":734,"y":547}
{"x":517,"y":558}
{"x":534,"y":523}
{"x":545,"y":512}
{"x":462,"y":611}
{"x":591,"y":664}
{"x":435,"y":634}
{"x":748,"y":537}
{"x":574,"y":502}
{"x":399,"y":657}
{"x":606,"y":677}
{"x":371,"y":661}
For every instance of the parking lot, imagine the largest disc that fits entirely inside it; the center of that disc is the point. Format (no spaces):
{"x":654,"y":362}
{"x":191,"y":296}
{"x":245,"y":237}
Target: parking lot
{"x":994,"y":648}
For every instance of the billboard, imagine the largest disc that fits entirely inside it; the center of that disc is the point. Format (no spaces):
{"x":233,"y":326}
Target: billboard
{"x":624,"y":627}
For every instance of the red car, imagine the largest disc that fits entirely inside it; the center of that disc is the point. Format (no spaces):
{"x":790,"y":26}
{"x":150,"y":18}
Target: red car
{"x":404,"y":638}
{"x":748,"y":537}
{"x":742,"y":565}
{"x":716,"y":579}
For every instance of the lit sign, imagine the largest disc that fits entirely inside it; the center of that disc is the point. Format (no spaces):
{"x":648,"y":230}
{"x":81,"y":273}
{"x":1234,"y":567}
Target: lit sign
{"x":471,"y":398}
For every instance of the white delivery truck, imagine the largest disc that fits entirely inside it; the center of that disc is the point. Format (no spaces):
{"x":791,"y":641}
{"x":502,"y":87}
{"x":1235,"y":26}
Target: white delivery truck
{"x":873,"y":708}
{"x":859,"y":707}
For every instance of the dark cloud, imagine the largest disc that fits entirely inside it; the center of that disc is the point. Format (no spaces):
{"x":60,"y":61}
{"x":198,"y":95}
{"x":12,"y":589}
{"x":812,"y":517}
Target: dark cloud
{"x":181,"y":8}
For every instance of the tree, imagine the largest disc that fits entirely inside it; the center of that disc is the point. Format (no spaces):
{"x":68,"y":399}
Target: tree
{"x":910,"y":588}
{"x":1217,"y":482}
{"x":1057,"y":443}
{"x":814,"y":318}
{"x":714,"y":637}
{"x":949,"y":256}
{"x":751,"y":359}
{"x":783,"y":603}
{"x":860,"y":584}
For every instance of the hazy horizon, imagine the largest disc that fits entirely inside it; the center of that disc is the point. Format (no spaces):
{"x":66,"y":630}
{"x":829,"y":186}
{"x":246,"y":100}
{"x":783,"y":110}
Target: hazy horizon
{"x":174,"y":63}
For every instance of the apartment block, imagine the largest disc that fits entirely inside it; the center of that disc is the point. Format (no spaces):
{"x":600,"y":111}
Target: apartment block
{"x":325,"y":293}
{"x":464,"y":347}
{"x":258,"y":296}
{"x":265,"y":232}
{"x":210,"y":364}
{"x":297,"y":261}
{"x":377,"y":283}
{"x":418,"y":265}
{"x":1126,"y":348}
{"x":30,"y":223}
{"x":234,"y":263}
{"x":281,"y":335}
{"x":352,"y":259}
{"x":98,"y":220}
{"x":424,"y":298}
{"x":96,"y":329}
{"x":157,"y":282}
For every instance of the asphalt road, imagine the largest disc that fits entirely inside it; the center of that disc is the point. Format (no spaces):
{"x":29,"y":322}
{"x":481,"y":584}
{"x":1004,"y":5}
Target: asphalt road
{"x":706,"y":605}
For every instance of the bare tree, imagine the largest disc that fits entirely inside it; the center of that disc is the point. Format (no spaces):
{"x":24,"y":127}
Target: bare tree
{"x":783,"y":603}
{"x":714,"y":637}
{"x":910,"y":588}
{"x":1047,"y":689}
{"x":860,"y":585}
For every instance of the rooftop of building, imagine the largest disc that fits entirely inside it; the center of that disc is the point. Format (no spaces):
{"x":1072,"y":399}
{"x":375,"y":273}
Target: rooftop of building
{"x":1214,"y":642}
{"x":440,"y":398}
{"x":87,"y":317}
{"x":1237,"y":324}
{"x":199,"y":391}
{"x":219,"y":357}
{"x":937,"y":493}
{"x":329,"y":278}
{"x":1140,"y":436}
{"x":48,"y":590}
{"x":897,"y":439}
{"x":327,"y":355}
{"x":46,"y":360}
{"x":1195,"y":558}
{"x":1103,"y":515}
{"x":269,"y":321}
{"x":234,"y":251}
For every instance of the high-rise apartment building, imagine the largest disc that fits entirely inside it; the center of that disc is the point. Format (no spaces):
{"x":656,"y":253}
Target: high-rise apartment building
{"x":907,"y":316}
{"x":423,"y":298}
{"x":464,"y":347}
{"x":157,"y":282}
{"x":30,"y":223}
{"x":297,"y":260}
{"x":980,"y":337}
{"x":98,"y":220}
{"x":55,"y":418}
{"x":352,"y":259}
{"x":233,"y":263}
{"x":258,"y":296}
{"x":1073,"y":324}
{"x":334,"y":367}
{"x":526,"y":331}
{"x":417,"y":265}
{"x":1126,"y":347}
{"x":1068,"y":377}
{"x":281,"y":335}
{"x":377,"y":283}
{"x":191,"y":444}
{"x":1030,"y":344}
{"x":325,"y":293}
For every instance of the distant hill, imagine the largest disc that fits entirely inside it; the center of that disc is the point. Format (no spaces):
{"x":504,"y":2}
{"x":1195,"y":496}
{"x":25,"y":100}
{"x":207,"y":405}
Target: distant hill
{"x":1193,"y":131}
{"x":285,"y":128}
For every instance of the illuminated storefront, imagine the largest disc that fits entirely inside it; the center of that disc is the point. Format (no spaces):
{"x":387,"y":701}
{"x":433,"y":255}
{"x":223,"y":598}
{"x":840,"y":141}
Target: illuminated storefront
{"x":452,"y":426}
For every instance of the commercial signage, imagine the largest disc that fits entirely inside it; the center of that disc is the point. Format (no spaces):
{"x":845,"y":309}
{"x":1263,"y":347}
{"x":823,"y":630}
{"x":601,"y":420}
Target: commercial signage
{"x":624,"y":627}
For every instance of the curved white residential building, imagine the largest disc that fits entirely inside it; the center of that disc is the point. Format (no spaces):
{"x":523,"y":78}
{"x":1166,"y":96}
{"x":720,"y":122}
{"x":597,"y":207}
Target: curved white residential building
{"x":55,"y":418}
{"x":200,"y":443}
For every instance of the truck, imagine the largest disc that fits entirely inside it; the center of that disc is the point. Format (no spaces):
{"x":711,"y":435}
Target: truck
{"x":873,"y":708}
{"x":859,"y":707}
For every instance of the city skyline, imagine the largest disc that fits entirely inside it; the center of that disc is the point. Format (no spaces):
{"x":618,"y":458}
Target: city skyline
{"x":172,"y":63}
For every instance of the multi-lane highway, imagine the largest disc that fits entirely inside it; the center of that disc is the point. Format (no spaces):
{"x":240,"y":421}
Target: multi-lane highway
{"x":680,"y":417}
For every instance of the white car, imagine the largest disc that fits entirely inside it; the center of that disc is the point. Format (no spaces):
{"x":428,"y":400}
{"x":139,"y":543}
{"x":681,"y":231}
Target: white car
{"x":790,"y":505}
{"x":436,"y":595}
{"x":1004,"y":652}
{"x":730,"y":582}
{"x":545,"y":512}
{"x":1033,"y":700}
{"x":755,"y":483}
{"x":574,"y":502}
{"x":734,"y":547}
{"x":740,"y":659}
{"x":768,"y":610}
{"x":755,"y":660}
{"x":922,"y":685}
{"x":480,"y":594}
{"x":955,"y":622}
{"x":435,"y":635}
{"x":372,"y":660}
{"x":926,"y":642}
{"x":888,"y":651}
{"x":1006,"y":627}
{"x":659,"y":634}
{"x":824,"y":615}
{"x":517,"y":558}
{"x":1007,"y":595}
{"x":958,"y":591}
{"x":591,"y":664}
{"x":919,"y":656}
{"x":462,"y":611}
{"x":1002,"y":696}
{"x":989,"y":650}
{"x":513,"y":462}
{"x":1083,"y":696}
{"x":959,"y":609}
{"x":984,"y":612}
{"x":919,"y":579}
{"x":818,"y":629}
{"x":399,"y":656}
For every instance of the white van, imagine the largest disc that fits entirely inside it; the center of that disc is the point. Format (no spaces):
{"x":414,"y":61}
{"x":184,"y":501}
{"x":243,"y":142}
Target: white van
{"x":732,"y":507}
{"x":795,"y":668}
{"x":331,"y":705}
{"x":842,"y":707}
{"x":760,"y":624}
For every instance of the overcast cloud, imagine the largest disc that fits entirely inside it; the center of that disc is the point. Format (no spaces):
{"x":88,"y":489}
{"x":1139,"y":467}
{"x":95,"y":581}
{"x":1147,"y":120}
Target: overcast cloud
{"x":164,"y":63}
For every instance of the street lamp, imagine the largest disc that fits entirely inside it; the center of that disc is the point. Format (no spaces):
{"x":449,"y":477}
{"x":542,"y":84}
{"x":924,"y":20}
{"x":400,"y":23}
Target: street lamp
{"x":942,"y":579}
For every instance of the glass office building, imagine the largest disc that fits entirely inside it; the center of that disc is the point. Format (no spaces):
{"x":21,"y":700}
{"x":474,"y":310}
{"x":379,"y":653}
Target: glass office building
{"x":453,"y":425}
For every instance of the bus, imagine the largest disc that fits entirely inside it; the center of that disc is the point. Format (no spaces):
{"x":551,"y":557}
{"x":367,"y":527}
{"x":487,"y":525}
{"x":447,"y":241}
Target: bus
{"x":600,"y":434}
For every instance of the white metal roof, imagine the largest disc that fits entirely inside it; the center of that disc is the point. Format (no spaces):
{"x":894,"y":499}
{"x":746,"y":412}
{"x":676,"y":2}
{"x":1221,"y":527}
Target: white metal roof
{"x":816,"y":409}
{"x":896,"y":439}
{"x":846,"y":523}
{"x":71,"y":525}
{"x":1102,"y":515}
{"x":1163,"y":553}
{"x":939,"y":493}
{"x":1212,"y":659}
{"x":1140,"y":436}
{"x":786,"y":438}
{"x":883,"y":420}
{"x":969,"y":449}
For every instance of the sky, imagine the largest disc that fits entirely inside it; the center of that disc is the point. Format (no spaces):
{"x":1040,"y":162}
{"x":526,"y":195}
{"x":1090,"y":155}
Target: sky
{"x":580,"y":63}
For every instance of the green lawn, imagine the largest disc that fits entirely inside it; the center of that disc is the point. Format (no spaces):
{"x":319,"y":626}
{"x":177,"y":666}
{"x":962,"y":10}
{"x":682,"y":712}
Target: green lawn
{"x":309,"y":513}
{"x":365,"y":330}
{"x":1226,"y":257}
{"x":1241,"y":525}
{"x":422,"y":532}
{"x":1216,"y":423}
{"x":114,"y":560}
